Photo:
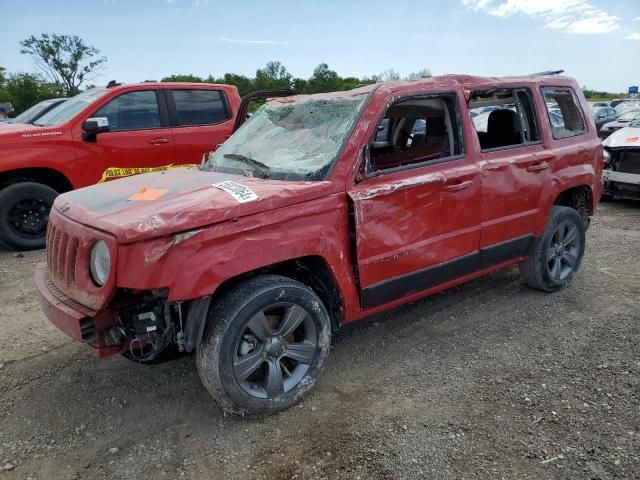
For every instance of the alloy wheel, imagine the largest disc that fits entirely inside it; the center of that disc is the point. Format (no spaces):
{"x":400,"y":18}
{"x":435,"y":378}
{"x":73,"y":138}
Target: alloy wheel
{"x":563,"y":251}
{"x":275,"y":350}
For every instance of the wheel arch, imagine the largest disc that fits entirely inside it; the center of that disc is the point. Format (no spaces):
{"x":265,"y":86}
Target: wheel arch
{"x":311,"y":270}
{"x":47,"y":176}
{"x":580,"y":198}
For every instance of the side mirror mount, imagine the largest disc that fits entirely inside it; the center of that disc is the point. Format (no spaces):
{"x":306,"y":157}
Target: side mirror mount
{"x":93,"y":126}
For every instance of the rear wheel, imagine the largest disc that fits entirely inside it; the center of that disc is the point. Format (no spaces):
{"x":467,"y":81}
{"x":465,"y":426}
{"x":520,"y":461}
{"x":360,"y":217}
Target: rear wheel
{"x":558,"y":253}
{"x":24,"y":213}
{"x":265,"y":347}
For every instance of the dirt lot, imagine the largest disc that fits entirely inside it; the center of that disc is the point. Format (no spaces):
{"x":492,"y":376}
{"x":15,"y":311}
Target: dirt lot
{"x":489,"y":380}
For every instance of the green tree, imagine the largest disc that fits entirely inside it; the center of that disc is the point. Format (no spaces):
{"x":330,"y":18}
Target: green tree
{"x":3,"y":77}
{"x":64,"y":59}
{"x":273,"y":75}
{"x":24,"y":90}
{"x":324,"y":80}
{"x":300,"y":85}
{"x":183,"y":78}
{"x":242,"y":82}
{"x":352,"y":82}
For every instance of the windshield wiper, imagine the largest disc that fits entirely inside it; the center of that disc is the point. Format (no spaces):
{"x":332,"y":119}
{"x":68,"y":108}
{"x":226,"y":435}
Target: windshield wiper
{"x":264,"y":170}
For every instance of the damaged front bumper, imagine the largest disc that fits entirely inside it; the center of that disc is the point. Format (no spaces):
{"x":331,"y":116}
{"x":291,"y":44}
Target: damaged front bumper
{"x":79,"y":322}
{"x":139,"y":324}
{"x":621,"y":175}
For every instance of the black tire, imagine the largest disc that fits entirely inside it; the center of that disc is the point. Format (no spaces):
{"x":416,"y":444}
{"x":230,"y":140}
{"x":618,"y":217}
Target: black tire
{"x":24,"y":213}
{"x":232,"y":340}
{"x":556,"y":255}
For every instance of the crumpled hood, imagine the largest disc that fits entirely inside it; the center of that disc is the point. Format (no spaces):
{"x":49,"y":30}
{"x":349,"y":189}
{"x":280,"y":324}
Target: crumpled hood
{"x":186,"y":200}
{"x":625,"y":138}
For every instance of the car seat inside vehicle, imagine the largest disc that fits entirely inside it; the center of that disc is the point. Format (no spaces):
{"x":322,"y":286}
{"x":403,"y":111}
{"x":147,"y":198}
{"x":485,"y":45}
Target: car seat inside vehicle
{"x":412,"y":131}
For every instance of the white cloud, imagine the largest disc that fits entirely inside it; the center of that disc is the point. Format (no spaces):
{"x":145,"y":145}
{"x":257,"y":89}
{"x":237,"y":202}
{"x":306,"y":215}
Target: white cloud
{"x":573,"y":16}
{"x":251,"y":42}
{"x":637,"y":19}
{"x":633,"y":36}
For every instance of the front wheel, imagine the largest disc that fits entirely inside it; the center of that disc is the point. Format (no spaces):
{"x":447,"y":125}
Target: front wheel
{"x":265,"y":346}
{"x":24,"y":213}
{"x":557,"y":254}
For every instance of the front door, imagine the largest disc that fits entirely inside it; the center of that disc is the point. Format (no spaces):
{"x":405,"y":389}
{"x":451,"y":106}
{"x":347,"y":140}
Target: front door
{"x":139,"y":139}
{"x":417,"y":213}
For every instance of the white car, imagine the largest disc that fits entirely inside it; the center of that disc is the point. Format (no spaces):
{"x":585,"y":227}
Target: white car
{"x":621,"y":173}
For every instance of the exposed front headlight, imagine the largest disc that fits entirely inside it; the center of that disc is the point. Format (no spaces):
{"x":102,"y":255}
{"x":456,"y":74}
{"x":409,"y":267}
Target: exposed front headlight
{"x":100,"y":263}
{"x":606,"y":157}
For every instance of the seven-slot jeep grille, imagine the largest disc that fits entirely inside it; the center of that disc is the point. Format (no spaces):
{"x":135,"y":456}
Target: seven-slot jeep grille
{"x":62,"y":253}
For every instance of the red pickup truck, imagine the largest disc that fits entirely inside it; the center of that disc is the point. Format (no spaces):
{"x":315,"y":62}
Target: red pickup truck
{"x":322,"y":210}
{"x":100,"y":134}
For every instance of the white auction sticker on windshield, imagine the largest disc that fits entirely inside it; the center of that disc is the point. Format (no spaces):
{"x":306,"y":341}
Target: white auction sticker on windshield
{"x":238,"y":191}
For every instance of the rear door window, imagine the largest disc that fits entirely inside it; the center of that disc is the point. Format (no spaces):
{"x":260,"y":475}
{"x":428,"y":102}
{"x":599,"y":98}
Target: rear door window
{"x":200,"y":107}
{"x":564,"y":103}
{"x":132,"y":111}
{"x":504,"y":118}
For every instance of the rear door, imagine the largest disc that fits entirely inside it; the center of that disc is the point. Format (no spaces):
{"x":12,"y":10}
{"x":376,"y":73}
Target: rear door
{"x":417,"y":212}
{"x":514,"y":165}
{"x":139,"y":139}
{"x":201,"y":120}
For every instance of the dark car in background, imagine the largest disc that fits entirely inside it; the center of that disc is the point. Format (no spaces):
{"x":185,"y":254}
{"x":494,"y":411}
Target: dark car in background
{"x":622,"y":121}
{"x":602,"y":115}
{"x":34,"y":113}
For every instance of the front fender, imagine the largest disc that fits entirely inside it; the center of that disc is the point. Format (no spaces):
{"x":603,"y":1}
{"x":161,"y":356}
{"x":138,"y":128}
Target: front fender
{"x":194,"y":264}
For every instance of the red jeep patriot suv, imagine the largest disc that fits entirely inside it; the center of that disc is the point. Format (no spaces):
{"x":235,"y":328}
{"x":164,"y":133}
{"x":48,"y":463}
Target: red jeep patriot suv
{"x":100,"y":134}
{"x":319,"y":211}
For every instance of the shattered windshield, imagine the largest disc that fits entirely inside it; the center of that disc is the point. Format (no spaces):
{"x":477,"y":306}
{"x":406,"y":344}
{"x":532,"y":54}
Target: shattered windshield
{"x":290,"y":138}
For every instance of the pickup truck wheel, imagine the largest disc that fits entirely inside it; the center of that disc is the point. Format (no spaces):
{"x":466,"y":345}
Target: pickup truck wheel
{"x":557,"y":254}
{"x":24,"y":213}
{"x":265,"y":346}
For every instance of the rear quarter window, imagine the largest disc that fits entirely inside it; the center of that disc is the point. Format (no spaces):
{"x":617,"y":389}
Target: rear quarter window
{"x":200,"y":107}
{"x":563,"y":112}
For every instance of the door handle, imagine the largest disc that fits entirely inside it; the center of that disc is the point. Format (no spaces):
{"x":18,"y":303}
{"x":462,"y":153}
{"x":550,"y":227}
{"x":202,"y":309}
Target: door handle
{"x":158,"y":141}
{"x":496,"y":168}
{"x":537,"y":167}
{"x":457,"y":186}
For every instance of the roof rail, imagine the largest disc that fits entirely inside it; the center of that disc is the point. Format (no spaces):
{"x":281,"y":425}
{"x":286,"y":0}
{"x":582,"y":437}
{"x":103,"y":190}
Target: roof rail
{"x":546,"y":72}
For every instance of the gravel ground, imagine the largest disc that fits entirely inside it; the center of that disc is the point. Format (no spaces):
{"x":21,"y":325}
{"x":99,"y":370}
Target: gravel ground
{"x":488,"y":380}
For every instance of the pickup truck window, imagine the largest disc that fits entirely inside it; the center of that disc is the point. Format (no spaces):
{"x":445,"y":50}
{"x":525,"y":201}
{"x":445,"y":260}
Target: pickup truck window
{"x":291,"y":138}
{"x":70,"y":108}
{"x":563,"y":102}
{"x":416,"y":130}
{"x":199,"y":107}
{"x":504,"y":118}
{"x":132,"y":111}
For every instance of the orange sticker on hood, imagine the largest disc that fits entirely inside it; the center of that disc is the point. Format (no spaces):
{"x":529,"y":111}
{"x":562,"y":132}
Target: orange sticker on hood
{"x":632,"y":140}
{"x":148,"y":194}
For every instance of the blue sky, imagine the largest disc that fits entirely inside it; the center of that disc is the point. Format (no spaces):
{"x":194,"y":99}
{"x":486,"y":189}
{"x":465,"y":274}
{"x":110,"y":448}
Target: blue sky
{"x":596,"y":41}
